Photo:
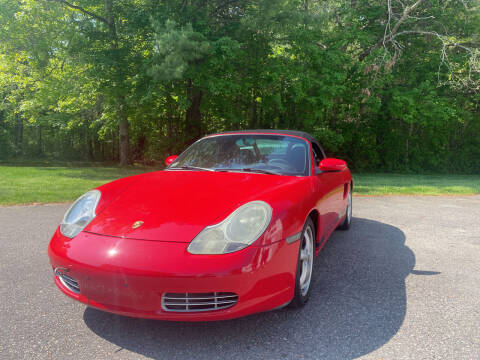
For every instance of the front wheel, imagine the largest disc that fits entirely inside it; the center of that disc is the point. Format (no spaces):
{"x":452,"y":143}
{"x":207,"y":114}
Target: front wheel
{"x":345,"y":225}
{"x":306,"y":252}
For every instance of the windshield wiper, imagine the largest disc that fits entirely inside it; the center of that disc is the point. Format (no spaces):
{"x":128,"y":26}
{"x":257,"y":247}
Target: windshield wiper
{"x":189,"y":167}
{"x":259,"y":171}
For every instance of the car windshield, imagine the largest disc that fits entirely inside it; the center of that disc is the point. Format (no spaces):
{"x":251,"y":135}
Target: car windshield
{"x":273,"y":154}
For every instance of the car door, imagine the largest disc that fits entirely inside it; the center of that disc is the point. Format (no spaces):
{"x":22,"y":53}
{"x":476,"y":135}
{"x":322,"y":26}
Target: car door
{"x":328,"y":190}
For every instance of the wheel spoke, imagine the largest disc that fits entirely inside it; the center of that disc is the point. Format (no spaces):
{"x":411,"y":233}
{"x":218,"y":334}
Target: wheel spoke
{"x":306,"y":258}
{"x":303,"y":277}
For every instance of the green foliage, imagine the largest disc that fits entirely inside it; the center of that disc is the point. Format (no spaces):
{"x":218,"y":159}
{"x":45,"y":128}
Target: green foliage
{"x":173,"y":70}
{"x":175,"y":50}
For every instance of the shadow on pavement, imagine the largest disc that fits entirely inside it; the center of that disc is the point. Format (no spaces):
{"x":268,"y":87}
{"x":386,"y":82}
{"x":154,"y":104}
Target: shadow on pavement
{"x":357,"y":304}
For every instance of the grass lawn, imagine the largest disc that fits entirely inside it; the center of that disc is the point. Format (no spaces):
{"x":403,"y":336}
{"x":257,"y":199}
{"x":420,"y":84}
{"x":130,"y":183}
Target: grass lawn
{"x":402,"y":184}
{"x":44,"y":184}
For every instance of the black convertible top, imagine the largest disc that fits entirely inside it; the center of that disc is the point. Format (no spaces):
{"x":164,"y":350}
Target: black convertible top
{"x":301,"y":134}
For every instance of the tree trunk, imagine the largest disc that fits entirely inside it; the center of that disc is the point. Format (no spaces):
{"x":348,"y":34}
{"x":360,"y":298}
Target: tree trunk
{"x":170,"y":134}
{"x":253,"y":122}
{"x":114,"y":145}
{"x":123,"y":126}
{"x":140,"y":148}
{"x":39,"y":140}
{"x":407,"y":154}
{"x":169,"y":126}
{"x":89,"y":143}
{"x":123,"y":130}
{"x":193,"y":119}
{"x":19,"y":134}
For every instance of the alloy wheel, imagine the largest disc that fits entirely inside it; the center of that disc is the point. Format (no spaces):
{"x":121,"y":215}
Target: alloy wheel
{"x":306,"y":258}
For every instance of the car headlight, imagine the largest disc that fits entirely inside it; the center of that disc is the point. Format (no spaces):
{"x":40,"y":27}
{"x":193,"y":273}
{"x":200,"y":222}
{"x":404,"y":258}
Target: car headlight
{"x":239,"y":230}
{"x":80,"y":214}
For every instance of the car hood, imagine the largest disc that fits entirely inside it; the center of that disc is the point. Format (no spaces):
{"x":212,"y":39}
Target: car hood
{"x":176,"y":205}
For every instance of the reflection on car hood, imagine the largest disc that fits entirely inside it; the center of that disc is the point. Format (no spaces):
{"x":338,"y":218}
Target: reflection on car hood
{"x":177,"y":205}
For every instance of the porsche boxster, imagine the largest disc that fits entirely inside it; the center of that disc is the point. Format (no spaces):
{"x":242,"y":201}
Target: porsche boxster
{"x":229,"y":228}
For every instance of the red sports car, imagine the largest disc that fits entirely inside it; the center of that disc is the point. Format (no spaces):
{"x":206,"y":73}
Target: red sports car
{"x":229,"y":228}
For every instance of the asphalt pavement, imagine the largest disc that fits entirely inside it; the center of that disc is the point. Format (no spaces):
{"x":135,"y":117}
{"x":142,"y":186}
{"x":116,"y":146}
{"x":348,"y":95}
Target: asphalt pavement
{"x":403,"y":283}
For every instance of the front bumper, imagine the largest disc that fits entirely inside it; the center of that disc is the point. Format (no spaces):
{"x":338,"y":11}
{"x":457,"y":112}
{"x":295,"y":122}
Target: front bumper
{"x":129,"y":277}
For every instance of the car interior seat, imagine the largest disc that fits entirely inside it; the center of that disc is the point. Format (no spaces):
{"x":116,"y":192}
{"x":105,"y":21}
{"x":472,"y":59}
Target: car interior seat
{"x":246,"y":156}
{"x":297,"y":157}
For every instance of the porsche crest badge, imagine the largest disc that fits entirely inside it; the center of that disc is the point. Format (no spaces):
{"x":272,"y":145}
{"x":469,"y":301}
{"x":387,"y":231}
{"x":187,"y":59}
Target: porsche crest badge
{"x":137,"y":224}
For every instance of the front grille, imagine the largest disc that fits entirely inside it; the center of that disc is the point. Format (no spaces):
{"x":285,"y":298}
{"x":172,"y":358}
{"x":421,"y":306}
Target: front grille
{"x":70,"y":283}
{"x":193,"y":302}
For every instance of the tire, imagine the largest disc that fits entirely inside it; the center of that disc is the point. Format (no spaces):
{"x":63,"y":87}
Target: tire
{"x":347,"y":221}
{"x":306,"y":256}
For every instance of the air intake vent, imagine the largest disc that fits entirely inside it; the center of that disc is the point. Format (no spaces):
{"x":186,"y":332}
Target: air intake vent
{"x":195,"y":302}
{"x":70,"y":283}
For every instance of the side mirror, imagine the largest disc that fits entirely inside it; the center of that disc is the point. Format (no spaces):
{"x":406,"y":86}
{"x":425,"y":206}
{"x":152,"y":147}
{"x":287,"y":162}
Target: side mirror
{"x":170,"y":159}
{"x":331,"y":165}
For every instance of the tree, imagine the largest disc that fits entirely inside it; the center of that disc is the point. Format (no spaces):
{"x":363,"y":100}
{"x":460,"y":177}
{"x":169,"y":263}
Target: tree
{"x":388,"y":85}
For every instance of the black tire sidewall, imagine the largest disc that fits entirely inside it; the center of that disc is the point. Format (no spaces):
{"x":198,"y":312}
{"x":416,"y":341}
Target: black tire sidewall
{"x":345,"y":225}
